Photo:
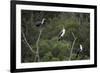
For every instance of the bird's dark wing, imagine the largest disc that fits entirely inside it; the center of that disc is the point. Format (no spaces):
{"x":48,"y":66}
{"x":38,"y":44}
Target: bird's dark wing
{"x":59,"y":34}
{"x":38,"y":23}
{"x":77,"y":53}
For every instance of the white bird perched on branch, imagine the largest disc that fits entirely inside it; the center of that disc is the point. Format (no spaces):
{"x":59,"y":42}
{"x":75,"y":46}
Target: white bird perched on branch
{"x":79,"y":51}
{"x":81,"y":48}
{"x":61,"y":34}
{"x":40,"y":23}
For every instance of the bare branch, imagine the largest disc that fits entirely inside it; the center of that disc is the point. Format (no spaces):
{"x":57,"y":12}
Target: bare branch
{"x":37,"y":45}
{"x":27,"y":43}
{"x":72,"y":46}
{"x":73,"y":35}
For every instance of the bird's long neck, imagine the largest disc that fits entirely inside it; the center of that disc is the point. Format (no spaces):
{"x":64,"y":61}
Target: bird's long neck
{"x":42,"y":21}
{"x":63,"y":29}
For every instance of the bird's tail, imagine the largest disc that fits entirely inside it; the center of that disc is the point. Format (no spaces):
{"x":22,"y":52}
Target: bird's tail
{"x":77,"y":54}
{"x":59,"y":38}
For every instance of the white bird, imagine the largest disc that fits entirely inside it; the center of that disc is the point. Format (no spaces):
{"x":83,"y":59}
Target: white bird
{"x":79,"y":51}
{"x":40,"y":23}
{"x":81,"y":47}
{"x":61,"y":33}
{"x":43,"y":20}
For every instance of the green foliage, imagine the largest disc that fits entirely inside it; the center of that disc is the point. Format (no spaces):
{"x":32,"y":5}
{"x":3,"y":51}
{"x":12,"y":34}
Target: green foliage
{"x":50,"y":49}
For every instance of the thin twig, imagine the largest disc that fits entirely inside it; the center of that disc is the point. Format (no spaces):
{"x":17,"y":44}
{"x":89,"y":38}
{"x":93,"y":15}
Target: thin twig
{"x":72,"y":46}
{"x":37,"y":45}
{"x":27,"y":43}
{"x":73,"y":35}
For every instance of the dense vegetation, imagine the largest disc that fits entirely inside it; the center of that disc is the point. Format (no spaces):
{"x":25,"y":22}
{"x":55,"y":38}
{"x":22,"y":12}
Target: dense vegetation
{"x":77,"y":27}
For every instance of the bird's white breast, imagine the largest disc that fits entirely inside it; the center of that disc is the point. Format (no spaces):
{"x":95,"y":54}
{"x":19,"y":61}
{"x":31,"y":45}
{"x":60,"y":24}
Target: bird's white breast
{"x":63,"y":32}
{"x":81,"y":47}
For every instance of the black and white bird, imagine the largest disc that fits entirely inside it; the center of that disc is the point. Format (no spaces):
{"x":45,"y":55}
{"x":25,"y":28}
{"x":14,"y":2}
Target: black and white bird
{"x":40,"y":23}
{"x":79,"y":51}
{"x":81,"y":48}
{"x":61,"y":34}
